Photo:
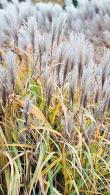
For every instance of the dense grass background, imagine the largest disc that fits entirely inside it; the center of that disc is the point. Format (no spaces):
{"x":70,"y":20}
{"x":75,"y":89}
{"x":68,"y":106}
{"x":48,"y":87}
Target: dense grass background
{"x":54,"y":102}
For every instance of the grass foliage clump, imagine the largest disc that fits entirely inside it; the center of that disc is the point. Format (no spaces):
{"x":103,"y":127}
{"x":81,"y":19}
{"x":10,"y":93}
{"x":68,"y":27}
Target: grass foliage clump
{"x":54,"y":98}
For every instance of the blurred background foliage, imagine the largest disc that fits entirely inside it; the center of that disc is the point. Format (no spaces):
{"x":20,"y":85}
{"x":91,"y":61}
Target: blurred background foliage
{"x":53,"y":1}
{"x":75,"y":2}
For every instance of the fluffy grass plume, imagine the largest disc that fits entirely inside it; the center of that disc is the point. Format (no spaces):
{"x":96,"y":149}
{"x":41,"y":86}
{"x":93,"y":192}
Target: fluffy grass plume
{"x":55,"y":98}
